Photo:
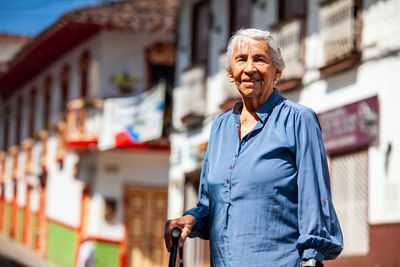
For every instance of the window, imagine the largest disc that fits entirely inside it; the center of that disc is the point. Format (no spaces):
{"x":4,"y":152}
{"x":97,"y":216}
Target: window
{"x":200,"y":31}
{"x":64,"y":88}
{"x":349,"y":183}
{"x":6,"y":128}
{"x":84,"y":73}
{"x":110,"y":210}
{"x":240,"y":11}
{"x":160,"y":64}
{"x":290,"y":8}
{"x":32,"y":107}
{"x":46,"y":106}
{"x":18,"y":120}
{"x":196,"y":250}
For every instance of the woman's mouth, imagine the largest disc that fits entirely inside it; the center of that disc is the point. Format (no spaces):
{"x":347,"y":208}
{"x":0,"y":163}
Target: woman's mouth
{"x":250,"y":81}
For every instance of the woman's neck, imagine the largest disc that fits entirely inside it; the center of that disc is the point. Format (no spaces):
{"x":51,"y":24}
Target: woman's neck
{"x":252,"y":104}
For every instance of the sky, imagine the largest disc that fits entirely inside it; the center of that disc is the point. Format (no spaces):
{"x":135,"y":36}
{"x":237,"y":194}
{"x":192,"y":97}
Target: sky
{"x":30,"y":17}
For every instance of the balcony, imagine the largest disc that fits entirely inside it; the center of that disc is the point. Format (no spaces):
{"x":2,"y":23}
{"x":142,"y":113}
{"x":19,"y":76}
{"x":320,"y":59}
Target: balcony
{"x":229,"y":92}
{"x":289,"y":35}
{"x":83,"y":122}
{"x":27,"y":146}
{"x":190,"y":98}
{"x":3,"y":156}
{"x":340,"y":33}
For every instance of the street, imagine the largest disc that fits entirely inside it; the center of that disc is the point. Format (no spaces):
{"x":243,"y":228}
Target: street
{"x":4,"y":262}
{"x":13,"y":254}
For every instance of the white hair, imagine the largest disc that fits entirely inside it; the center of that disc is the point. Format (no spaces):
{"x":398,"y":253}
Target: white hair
{"x":265,"y":36}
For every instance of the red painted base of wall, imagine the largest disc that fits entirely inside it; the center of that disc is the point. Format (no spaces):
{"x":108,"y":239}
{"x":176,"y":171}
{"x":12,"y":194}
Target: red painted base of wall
{"x":384,"y":249}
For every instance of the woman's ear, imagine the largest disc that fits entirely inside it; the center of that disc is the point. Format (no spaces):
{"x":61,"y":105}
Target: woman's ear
{"x":229,"y":74}
{"x":278,"y":74}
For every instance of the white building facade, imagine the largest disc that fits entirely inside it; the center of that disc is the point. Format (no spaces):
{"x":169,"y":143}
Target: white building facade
{"x":341,"y":58}
{"x":57,"y":186}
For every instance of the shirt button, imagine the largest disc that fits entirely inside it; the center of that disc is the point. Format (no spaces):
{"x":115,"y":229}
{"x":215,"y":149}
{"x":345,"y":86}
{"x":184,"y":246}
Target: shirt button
{"x":230,"y":167}
{"x":324,"y":200}
{"x":236,"y":155}
{"x":227,"y":181}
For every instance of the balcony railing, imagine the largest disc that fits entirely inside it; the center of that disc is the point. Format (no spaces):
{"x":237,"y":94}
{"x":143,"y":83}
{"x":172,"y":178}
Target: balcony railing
{"x":190,"y":98}
{"x":83,"y":121}
{"x":339,"y":29}
{"x":27,"y":146}
{"x":3,"y":156}
{"x":289,"y":37}
{"x":14,"y":152}
{"x":229,"y":92}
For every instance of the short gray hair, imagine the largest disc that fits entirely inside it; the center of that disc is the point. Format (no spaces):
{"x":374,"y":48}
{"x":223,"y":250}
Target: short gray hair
{"x":265,"y":36}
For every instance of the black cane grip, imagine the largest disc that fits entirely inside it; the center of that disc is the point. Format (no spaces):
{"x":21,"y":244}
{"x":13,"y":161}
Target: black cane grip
{"x":175,"y":233}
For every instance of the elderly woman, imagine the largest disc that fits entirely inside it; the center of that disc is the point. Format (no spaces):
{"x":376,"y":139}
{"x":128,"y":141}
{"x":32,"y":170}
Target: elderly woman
{"x":264,"y":196}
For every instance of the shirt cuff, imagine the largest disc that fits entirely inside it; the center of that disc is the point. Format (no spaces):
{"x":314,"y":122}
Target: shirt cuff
{"x":311,"y":253}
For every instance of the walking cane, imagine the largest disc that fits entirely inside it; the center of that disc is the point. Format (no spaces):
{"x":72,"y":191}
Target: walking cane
{"x":176,"y":233}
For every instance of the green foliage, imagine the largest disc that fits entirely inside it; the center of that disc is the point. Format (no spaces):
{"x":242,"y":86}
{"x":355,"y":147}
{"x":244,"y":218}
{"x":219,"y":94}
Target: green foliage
{"x":124,"y":79}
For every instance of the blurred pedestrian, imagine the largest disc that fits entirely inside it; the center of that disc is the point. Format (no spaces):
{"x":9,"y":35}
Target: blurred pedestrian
{"x":86,"y":255}
{"x":264,"y":195}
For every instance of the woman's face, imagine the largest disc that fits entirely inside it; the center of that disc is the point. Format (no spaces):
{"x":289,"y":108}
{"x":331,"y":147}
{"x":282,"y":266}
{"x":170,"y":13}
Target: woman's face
{"x":252,"y":69}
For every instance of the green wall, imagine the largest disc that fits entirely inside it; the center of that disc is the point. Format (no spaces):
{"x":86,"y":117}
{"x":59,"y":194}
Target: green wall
{"x":20,"y":224}
{"x":107,"y":254}
{"x":7,"y":219}
{"x":61,"y":244}
{"x":33,"y":231}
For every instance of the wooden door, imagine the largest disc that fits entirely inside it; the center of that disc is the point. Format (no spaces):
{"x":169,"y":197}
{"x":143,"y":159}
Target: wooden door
{"x":145,"y":214}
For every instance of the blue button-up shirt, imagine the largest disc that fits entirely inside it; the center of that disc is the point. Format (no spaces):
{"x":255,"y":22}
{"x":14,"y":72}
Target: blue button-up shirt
{"x":265,"y":200}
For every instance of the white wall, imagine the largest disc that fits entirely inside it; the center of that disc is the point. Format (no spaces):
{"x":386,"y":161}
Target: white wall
{"x":376,"y":75}
{"x":125,"y":52}
{"x":64,"y":192}
{"x":137,"y":168}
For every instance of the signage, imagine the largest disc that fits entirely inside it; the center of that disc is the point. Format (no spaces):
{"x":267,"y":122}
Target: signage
{"x":351,"y":126}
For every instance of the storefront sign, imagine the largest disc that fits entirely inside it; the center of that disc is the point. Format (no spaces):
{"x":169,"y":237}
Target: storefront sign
{"x":351,"y":126}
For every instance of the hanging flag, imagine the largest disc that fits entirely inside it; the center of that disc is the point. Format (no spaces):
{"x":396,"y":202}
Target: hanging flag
{"x":132,"y":120}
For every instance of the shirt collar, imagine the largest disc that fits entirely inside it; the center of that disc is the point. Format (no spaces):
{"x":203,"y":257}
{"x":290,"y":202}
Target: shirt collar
{"x":265,"y":109}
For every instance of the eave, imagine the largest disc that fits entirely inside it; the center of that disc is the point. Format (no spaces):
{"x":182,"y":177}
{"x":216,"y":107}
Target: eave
{"x":46,"y":49}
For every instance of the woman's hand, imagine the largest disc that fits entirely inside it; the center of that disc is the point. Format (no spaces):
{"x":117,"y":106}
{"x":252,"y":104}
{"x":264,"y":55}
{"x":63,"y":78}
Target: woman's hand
{"x":185,"y":224}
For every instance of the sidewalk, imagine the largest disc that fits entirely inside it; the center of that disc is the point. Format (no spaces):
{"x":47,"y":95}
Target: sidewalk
{"x":22,"y":255}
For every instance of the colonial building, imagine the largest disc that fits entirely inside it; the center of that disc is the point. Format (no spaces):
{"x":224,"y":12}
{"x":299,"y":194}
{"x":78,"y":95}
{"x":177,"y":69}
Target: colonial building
{"x":9,"y":46}
{"x":341,"y":57}
{"x":84,"y":123}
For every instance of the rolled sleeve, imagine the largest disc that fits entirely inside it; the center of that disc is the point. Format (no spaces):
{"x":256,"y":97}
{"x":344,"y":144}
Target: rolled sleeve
{"x":320,"y":233}
{"x":202,"y":211}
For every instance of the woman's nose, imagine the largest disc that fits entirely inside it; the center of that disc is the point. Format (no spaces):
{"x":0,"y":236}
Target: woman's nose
{"x":249,"y":66}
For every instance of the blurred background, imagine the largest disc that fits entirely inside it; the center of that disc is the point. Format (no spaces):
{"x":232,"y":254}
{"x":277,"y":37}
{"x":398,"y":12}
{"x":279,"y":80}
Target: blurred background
{"x":106,"y":109}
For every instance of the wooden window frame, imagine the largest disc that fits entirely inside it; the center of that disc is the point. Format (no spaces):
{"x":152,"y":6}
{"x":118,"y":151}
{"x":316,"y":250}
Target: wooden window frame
{"x":64,"y":85}
{"x":234,"y":25}
{"x":195,"y":36}
{"x":18,"y":125}
{"x":6,"y":123}
{"x":32,"y":113}
{"x":47,"y":101}
{"x":84,"y":65}
{"x":281,"y":10}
